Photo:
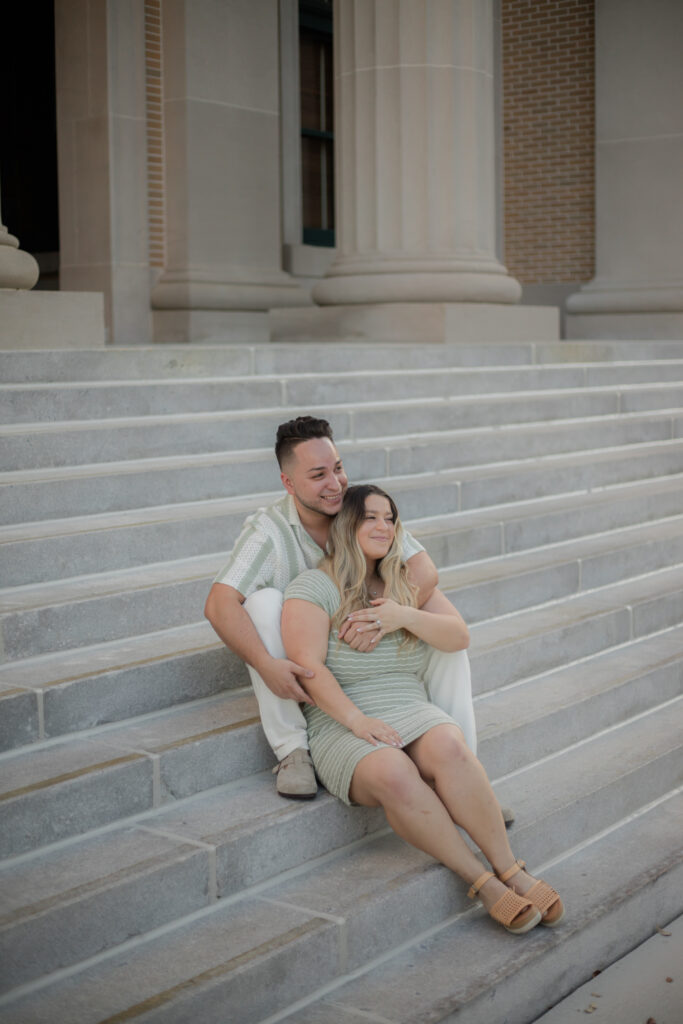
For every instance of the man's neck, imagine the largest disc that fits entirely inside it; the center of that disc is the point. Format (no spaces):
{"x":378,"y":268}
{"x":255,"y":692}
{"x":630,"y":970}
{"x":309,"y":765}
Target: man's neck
{"x":316,"y":525}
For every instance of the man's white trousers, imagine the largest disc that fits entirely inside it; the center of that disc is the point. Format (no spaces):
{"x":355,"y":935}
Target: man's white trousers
{"x":446,"y":678}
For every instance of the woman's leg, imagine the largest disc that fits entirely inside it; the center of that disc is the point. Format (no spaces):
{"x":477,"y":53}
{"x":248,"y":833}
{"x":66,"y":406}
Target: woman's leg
{"x":390,"y":779}
{"x":445,"y":760}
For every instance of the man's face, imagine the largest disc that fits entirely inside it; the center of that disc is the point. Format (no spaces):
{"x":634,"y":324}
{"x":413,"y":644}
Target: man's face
{"x":314,"y":475}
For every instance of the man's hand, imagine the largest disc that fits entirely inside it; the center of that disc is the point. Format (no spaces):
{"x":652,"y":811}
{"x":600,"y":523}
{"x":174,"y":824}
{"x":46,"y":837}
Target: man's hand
{"x":280,"y":676}
{"x":359,"y":640}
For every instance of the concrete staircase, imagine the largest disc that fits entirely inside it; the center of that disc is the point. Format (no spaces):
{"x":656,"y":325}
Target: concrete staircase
{"x":150,"y":872}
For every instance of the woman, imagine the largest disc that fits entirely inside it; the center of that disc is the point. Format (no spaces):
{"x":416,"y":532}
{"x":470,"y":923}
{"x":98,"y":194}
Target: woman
{"x":375,"y":738}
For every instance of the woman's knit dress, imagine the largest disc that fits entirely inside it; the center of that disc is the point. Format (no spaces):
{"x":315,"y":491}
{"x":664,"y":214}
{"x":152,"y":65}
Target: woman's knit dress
{"x":384,"y":683}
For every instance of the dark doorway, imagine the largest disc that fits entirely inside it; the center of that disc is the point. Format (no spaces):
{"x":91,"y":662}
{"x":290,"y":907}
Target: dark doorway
{"x":28,"y":161}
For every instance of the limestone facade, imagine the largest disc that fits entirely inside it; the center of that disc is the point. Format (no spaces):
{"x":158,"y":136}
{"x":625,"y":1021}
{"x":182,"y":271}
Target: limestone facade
{"x":180,"y":175}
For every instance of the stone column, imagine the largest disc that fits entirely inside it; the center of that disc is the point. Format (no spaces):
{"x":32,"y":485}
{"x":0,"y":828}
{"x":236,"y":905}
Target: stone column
{"x":101,"y":125}
{"x":415,"y":141}
{"x":222,"y":171}
{"x":638,"y":288}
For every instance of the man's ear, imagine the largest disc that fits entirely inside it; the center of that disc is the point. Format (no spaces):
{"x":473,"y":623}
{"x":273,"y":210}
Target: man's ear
{"x":287,"y":483}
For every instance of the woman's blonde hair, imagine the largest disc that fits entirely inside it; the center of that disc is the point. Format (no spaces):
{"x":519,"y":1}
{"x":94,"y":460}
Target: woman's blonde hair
{"x":345,"y":562}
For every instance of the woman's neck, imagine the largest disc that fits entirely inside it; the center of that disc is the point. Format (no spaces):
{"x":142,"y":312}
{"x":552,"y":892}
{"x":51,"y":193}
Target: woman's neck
{"x":373,"y":581}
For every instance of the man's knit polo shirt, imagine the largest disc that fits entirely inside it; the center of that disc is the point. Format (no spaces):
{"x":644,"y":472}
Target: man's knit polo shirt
{"x":273,"y":548}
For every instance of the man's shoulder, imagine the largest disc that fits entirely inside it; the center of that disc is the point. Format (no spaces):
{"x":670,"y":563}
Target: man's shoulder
{"x":270,"y":518}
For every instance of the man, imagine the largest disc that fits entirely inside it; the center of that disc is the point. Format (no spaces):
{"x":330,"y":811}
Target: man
{"x":245,"y":601}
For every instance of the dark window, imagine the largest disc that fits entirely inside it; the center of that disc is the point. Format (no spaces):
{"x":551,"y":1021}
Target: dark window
{"x":317,"y":121}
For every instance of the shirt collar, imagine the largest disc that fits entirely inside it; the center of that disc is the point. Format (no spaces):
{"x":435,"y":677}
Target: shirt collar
{"x":294,"y":521}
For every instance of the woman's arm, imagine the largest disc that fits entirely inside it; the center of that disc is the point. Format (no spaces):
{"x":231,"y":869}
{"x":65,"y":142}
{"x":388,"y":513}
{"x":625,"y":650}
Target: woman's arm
{"x":305,"y":629}
{"x":437,"y":622}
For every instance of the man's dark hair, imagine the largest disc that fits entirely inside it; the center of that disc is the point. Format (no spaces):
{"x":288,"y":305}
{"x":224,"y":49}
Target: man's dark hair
{"x":292,"y":433}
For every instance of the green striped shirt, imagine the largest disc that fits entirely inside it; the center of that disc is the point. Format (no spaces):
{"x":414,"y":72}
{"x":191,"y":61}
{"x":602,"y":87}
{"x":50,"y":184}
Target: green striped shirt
{"x":273,"y":548}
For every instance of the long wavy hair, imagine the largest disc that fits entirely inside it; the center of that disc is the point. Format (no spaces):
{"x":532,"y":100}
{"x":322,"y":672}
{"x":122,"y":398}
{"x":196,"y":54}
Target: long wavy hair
{"x":345,"y":562}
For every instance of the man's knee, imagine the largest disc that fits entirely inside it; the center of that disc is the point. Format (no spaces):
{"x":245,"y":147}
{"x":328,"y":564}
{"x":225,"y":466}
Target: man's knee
{"x":264,"y":608}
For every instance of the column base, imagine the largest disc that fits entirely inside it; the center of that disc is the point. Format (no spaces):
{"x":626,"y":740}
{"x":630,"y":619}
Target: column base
{"x":630,"y":311}
{"x":624,"y":326}
{"x":435,"y":286}
{"x":45,"y":319}
{"x":416,"y":322}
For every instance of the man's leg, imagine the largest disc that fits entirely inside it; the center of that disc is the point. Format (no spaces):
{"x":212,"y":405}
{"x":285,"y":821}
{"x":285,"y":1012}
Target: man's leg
{"x":449,"y":685}
{"x":282,"y":720}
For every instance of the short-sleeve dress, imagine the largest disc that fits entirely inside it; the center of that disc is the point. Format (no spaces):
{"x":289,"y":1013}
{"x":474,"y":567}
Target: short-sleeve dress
{"x":384,"y":683}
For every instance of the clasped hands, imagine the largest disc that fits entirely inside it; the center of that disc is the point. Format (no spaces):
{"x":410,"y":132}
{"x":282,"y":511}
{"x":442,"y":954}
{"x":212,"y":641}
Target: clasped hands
{"x":363,"y":629}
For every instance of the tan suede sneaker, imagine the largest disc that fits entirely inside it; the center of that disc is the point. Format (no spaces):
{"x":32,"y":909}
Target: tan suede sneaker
{"x":295,"y":776}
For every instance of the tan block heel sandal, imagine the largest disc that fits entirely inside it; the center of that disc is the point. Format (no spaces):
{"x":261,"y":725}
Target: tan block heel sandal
{"x":541,"y":895}
{"x":516,"y":913}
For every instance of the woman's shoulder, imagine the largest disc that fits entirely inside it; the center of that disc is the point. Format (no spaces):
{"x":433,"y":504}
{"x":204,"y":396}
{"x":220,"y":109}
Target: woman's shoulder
{"x":316,"y":586}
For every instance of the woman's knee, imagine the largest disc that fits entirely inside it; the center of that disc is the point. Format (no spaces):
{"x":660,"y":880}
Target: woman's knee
{"x":442,"y":744}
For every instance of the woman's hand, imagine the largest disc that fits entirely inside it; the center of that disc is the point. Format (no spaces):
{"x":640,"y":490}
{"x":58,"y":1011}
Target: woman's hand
{"x":385,"y":616}
{"x":374,"y":730}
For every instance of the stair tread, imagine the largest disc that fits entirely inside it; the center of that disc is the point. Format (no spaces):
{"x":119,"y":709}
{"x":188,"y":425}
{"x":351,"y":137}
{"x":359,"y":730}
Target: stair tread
{"x":537,"y":971}
{"x":391,"y":869}
{"x":159,"y":574}
{"x":423,"y":525}
{"x":62,"y":666}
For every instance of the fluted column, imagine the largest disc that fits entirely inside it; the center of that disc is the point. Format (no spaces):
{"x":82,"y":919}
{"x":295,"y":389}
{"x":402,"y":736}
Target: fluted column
{"x":414,"y":114}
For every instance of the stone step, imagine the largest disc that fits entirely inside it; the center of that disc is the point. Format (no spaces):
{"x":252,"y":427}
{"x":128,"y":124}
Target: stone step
{"x":42,"y":618}
{"x":535,"y":640}
{"x":127,"y":877}
{"x":33,"y":495}
{"x":533,"y":718}
{"x":373,"y":898}
{"x":179,"y":361}
{"x":77,"y":400}
{"x":70,"y":775}
{"x":55,"y":694}
{"x":51,"y":445}
{"x":50,"y":549}
{"x":618,"y":890}
{"x":50,"y":695}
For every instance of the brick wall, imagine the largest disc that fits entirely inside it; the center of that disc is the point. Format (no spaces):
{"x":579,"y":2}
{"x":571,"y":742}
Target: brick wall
{"x":549,"y":139}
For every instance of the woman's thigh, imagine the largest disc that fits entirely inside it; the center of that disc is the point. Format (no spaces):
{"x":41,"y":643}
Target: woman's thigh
{"x":382,"y":775}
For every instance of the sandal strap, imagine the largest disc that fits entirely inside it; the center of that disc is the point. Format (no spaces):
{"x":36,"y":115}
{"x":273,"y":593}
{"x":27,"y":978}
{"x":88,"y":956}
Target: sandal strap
{"x":476,"y":885}
{"x":508,"y":907}
{"x":519,"y":865}
{"x":542,"y":896}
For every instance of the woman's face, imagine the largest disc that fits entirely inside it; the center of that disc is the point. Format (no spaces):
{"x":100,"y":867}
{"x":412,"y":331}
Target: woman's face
{"x":376,"y":532}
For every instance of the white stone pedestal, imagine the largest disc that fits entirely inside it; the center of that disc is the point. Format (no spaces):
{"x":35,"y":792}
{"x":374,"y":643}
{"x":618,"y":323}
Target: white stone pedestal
{"x":51,"y":319}
{"x":417,"y":322}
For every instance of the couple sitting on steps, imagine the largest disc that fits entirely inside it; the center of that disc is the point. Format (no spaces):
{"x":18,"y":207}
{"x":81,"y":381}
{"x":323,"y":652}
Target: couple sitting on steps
{"x":373,"y":678}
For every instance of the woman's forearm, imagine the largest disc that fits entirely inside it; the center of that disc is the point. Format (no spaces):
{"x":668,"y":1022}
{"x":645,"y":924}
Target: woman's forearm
{"x":329,"y":696}
{"x":446,"y":632}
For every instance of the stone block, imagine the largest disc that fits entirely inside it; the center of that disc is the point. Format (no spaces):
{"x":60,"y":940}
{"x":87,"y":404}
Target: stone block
{"x":36,"y":320}
{"x":416,"y":322}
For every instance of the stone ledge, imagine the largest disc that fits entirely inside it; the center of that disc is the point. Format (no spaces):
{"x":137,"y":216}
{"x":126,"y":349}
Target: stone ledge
{"x":49,"y":320}
{"x":417,"y":322}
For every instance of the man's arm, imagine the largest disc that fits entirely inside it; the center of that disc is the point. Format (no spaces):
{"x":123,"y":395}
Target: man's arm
{"x":423,"y":573}
{"x":224,"y":611}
